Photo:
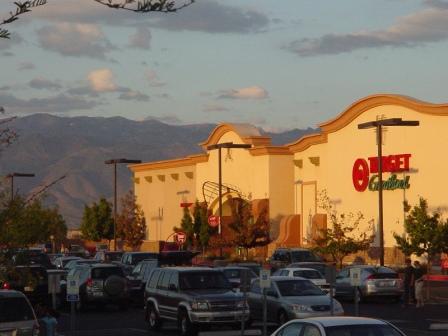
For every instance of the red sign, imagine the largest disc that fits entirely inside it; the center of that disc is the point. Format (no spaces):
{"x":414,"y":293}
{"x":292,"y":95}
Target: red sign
{"x":180,"y":237}
{"x":213,"y":221}
{"x":390,"y":164}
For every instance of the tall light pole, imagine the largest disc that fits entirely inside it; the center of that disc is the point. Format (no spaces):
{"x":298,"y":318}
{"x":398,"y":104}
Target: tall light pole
{"x":114,"y":162}
{"x":11,"y":176}
{"x":219,"y":147}
{"x":379,"y":124}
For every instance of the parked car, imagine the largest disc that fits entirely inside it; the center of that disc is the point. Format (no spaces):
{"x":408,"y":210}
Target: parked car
{"x":16,"y":315}
{"x":73,"y":263}
{"x":194,"y":297}
{"x":99,"y":284}
{"x":337,"y":326}
{"x":290,"y":298}
{"x":234,"y":273}
{"x":285,"y":256}
{"x":31,"y":257}
{"x":54,"y":256}
{"x":61,"y":262}
{"x":32,"y":280}
{"x":375,"y":282}
{"x":317,"y":265}
{"x":308,"y":273}
{"x":108,"y":256}
{"x":130,"y":259}
{"x":138,"y":278}
{"x":255,"y":267}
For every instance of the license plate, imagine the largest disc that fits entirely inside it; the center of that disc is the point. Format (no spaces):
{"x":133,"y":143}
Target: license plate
{"x":28,"y":289}
{"x":386,"y":283}
{"x":97,"y":293}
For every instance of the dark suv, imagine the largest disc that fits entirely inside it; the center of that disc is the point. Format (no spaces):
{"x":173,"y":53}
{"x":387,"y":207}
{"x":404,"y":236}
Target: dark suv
{"x":192,"y":296}
{"x":100,"y":284}
{"x":285,"y":256}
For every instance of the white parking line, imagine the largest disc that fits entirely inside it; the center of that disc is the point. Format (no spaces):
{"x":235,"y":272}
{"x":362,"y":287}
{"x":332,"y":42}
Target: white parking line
{"x":438,"y":326}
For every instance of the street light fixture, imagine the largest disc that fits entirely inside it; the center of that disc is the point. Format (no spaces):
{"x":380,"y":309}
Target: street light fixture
{"x":11,"y":176}
{"x":219,"y":147}
{"x":115,"y":162}
{"x":378,"y":124}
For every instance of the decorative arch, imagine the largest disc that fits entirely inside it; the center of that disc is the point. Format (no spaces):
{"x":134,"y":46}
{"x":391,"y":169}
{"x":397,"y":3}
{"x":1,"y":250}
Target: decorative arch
{"x":359,"y":107}
{"x":249,"y":134}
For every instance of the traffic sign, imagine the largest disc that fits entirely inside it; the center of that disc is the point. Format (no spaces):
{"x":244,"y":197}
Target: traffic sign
{"x":265,"y":278}
{"x":213,"y":221}
{"x":72,"y":297}
{"x":355,"y":276}
{"x":181,"y":237}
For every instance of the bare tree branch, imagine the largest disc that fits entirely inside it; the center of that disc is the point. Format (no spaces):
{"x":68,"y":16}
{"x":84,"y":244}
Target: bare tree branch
{"x":21,"y":8}
{"x":43,"y":189}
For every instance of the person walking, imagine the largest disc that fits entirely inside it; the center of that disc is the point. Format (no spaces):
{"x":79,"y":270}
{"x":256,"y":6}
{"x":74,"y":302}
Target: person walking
{"x":444,"y":263}
{"x":408,"y":282}
{"x":419,"y":281}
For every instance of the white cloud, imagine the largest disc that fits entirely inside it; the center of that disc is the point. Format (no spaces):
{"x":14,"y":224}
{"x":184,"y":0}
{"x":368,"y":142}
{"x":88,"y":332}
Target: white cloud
{"x":211,"y":107}
{"x":102,"y":80}
{"x":134,"y":95}
{"x":153,"y":79}
{"x":75,"y":39}
{"x":141,"y":39}
{"x":252,"y":92}
{"x":420,"y":28}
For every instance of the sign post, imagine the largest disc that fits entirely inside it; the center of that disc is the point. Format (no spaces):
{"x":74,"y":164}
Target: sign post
{"x":265,"y":283}
{"x":355,"y":281}
{"x":244,"y":287}
{"x":54,"y":287}
{"x":72,"y":297}
{"x":330,"y":277}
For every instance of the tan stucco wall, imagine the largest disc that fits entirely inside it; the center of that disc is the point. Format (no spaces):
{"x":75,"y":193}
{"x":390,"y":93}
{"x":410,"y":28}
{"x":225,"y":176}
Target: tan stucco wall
{"x":160,"y":199}
{"x":344,"y":146}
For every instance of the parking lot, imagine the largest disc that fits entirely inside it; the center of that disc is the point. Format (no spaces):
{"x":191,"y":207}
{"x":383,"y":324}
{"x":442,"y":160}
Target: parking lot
{"x":110,"y":321}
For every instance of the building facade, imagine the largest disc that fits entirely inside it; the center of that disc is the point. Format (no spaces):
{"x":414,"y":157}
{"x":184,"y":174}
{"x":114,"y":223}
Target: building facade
{"x":340,"y":159}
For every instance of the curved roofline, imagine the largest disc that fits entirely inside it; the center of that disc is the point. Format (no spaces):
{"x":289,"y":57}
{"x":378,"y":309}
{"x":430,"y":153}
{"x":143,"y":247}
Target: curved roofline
{"x":249,"y":134}
{"x":359,"y":107}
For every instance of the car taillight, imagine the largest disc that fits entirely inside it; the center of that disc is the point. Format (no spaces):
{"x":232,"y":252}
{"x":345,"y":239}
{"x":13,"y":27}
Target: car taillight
{"x":370,"y":277}
{"x":6,"y":285}
{"x":89,"y":282}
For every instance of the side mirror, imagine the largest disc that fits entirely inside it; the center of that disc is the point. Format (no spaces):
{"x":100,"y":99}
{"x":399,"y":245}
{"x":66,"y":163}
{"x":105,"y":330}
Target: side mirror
{"x":172,"y":287}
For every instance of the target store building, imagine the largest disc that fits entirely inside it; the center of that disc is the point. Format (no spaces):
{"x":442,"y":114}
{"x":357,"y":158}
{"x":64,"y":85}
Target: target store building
{"x":285,"y":181}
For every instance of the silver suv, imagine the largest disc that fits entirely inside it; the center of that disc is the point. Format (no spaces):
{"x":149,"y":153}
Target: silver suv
{"x":192,"y":296}
{"x":16,"y":315}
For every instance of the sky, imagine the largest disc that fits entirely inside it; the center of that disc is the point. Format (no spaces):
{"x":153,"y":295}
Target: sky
{"x":275,"y":64}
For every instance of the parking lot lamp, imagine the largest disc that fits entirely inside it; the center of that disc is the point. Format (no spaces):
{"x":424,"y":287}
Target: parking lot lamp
{"x":11,"y":176}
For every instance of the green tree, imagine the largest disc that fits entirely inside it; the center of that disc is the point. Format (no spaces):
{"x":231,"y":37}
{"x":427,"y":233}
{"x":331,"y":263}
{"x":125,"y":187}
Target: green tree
{"x":131,"y":223}
{"x":343,"y":238}
{"x":25,"y":223}
{"x":425,"y":233}
{"x":97,"y":222}
{"x":201,"y":228}
{"x":187,"y":226}
{"x":249,"y":232}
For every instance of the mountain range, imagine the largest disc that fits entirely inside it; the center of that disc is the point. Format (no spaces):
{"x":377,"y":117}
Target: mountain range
{"x":76,"y":147}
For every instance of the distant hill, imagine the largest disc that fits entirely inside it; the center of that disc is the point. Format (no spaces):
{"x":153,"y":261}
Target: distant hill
{"x":51,"y":146}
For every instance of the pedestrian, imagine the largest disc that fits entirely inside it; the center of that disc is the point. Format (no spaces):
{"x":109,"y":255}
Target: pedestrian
{"x":48,"y":323}
{"x":419,"y":281}
{"x":408,"y":281}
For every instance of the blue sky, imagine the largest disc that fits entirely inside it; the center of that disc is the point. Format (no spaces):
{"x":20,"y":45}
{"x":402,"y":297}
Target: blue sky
{"x":276,"y":64}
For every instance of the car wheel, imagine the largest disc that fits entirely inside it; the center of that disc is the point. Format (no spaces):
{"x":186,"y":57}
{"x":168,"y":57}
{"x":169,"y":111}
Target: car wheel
{"x":153,"y":318}
{"x":186,"y":328}
{"x":282,"y":317}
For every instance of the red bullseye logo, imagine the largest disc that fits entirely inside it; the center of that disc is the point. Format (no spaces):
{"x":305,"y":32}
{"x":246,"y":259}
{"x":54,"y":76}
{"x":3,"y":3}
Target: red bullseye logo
{"x":360,"y":175}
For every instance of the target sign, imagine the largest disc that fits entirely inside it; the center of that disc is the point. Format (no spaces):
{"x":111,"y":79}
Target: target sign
{"x":181,"y":237}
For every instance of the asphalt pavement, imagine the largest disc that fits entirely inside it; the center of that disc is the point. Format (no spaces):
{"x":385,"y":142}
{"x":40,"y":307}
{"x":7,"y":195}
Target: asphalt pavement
{"x":110,"y":321}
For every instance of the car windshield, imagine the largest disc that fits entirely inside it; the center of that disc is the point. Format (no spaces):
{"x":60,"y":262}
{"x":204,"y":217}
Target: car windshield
{"x":203,"y":280}
{"x":136,"y":258}
{"x":364,"y":330}
{"x":236,"y":273}
{"x":308,"y":274}
{"x":298,"y":288}
{"x":15,"y":309}
{"x":298,"y":256}
{"x":112,"y":256}
{"x":105,"y":272}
